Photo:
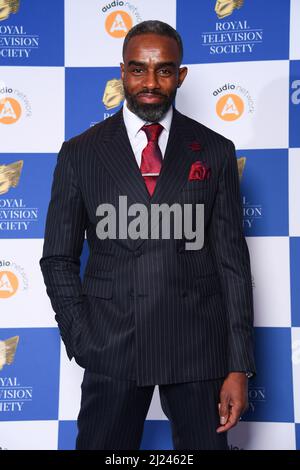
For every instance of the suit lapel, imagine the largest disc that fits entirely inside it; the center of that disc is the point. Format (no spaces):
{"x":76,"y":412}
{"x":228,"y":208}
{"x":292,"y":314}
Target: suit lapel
{"x":176,"y":162}
{"x":114,"y":150}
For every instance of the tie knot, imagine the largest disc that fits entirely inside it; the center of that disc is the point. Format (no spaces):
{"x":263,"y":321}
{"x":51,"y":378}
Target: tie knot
{"x":153,"y":131}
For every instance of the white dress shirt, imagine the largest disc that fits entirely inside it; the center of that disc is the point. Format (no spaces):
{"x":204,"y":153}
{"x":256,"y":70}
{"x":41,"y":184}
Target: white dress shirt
{"x":138,"y":138}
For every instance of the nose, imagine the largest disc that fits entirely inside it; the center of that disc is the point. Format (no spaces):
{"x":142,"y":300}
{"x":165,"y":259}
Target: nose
{"x":150,"y":81}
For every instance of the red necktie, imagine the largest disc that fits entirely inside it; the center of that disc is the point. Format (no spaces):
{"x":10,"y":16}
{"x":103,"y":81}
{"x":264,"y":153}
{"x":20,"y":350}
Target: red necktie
{"x":151,"y":156}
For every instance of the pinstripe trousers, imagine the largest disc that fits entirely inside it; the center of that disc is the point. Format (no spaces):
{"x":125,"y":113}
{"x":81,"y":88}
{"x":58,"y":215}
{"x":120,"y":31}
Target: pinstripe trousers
{"x":113,"y":413}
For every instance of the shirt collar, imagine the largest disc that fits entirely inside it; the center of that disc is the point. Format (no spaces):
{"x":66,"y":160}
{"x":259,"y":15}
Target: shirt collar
{"x":134,"y":123}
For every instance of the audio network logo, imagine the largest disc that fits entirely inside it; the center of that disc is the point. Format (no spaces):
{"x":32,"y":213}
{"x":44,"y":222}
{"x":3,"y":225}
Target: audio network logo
{"x":295,"y":96}
{"x":233,"y":101}
{"x":10,"y":111}
{"x":15,"y":42}
{"x":225,"y":8}
{"x":234,"y":36}
{"x":10,"y":176}
{"x":13,"y":279}
{"x":14,"y":214}
{"x":14,"y":105}
{"x":119,"y":21}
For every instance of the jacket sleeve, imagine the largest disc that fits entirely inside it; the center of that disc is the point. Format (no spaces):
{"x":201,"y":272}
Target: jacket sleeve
{"x":232,"y":259}
{"x":64,"y":236}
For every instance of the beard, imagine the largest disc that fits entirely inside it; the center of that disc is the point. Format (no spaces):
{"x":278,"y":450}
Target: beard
{"x":150,"y":112}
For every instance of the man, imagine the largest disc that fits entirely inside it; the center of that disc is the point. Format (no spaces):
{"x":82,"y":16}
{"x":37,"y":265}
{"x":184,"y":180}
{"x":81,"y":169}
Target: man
{"x":149,"y":310}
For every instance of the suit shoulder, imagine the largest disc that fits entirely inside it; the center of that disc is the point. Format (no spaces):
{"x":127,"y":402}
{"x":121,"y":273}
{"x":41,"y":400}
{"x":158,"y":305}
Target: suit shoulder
{"x":204,"y":133}
{"x":84,"y":140}
{"x":79,"y":149}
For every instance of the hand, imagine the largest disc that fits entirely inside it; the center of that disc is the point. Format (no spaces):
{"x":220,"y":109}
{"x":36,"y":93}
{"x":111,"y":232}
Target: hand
{"x":233,"y":400}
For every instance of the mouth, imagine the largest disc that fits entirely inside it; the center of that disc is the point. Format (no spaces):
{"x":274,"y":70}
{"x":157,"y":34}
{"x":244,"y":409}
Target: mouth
{"x":149,"y":97}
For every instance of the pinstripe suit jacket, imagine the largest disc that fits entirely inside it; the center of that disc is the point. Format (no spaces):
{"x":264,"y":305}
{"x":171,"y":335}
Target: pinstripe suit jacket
{"x":148,"y":309}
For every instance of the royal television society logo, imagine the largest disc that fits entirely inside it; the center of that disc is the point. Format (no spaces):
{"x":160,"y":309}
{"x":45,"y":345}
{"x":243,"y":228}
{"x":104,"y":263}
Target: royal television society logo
{"x":8,"y":349}
{"x":14,"y":105}
{"x":113,"y":96}
{"x":251,"y":213}
{"x":241,"y":162}
{"x":120,"y":16}
{"x":225,"y":8}
{"x":233,"y":101}
{"x":256,"y":396}
{"x":231,"y":36}
{"x":13,"y":395}
{"x":14,"y":213}
{"x":7,"y":7}
{"x":13,"y":279}
{"x":118,"y":23}
{"x":15,"y":41}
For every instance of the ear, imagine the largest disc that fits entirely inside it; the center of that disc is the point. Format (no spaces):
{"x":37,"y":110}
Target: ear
{"x":122,"y":70}
{"x":181,"y":76}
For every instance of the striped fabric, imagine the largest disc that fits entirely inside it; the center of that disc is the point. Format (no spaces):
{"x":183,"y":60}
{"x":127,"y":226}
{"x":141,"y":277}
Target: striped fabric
{"x":149,"y":310}
{"x":113,"y":412}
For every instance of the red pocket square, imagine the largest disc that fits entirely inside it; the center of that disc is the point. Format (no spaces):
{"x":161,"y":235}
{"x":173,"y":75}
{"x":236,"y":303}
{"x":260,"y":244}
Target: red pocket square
{"x":199,"y":171}
{"x":195,"y":146}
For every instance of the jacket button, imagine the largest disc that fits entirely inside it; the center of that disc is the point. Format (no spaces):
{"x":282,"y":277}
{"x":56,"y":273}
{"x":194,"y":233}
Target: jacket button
{"x":184,"y":293}
{"x":137,"y":253}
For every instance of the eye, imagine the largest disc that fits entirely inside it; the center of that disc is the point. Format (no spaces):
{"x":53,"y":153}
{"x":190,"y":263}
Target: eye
{"x":164,"y":72}
{"x":137,"y":70}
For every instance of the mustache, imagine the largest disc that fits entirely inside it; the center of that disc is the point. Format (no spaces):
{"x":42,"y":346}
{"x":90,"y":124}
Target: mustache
{"x":150,"y":92}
